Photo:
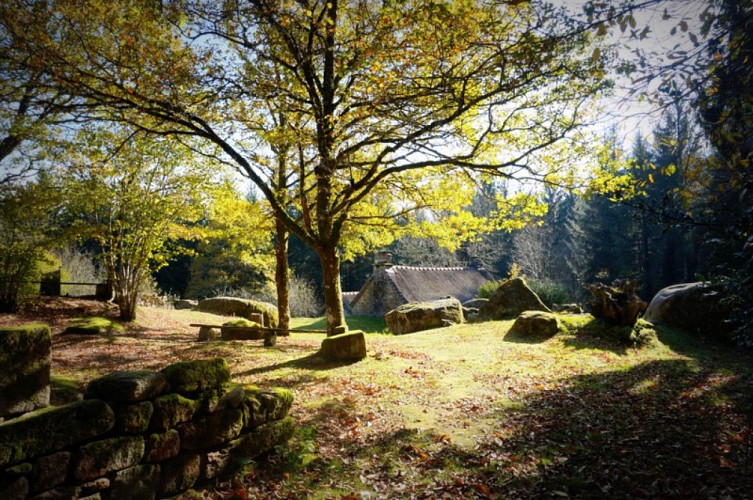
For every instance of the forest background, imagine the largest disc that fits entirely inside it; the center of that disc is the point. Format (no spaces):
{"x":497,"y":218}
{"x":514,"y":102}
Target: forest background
{"x":95,"y":166}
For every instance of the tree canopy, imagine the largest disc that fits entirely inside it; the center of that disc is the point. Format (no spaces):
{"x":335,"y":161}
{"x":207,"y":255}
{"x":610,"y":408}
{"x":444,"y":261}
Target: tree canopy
{"x":367,"y":93}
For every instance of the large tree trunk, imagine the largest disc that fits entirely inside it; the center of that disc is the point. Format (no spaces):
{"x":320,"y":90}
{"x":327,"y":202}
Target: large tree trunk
{"x":333,"y":300}
{"x":282,"y":277}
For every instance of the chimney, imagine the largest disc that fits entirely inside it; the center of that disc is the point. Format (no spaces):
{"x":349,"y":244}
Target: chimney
{"x":382,"y":260}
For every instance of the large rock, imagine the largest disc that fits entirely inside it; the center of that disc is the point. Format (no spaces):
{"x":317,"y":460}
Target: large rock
{"x":51,"y":429}
{"x":185,"y":304}
{"x":349,"y":346}
{"x":25,"y":374}
{"x":535,"y":325}
{"x":232,"y":306}
{"x":417,"y":316}
{"x":509,"y":300}
{"x":695,"y":307}
{"x":617,"y":304}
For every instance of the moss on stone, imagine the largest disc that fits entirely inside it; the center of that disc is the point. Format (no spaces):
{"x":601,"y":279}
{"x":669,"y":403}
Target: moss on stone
{"x":25,"y":376}
{"x":133,"y":418}
{"x":100,"y":457}
{"x":189,"y":377}
{"x":160,"y":447}
{"x":93,"y":325}
{"x":345,"y":347}
{"x":262,"y":406}
{"x":242,"y":323}
{"x":51,"y":429}
{"x":179,"y":474}
{"x":172,"y":409}
{"x":211,"y":430}
{"x":127,"y":386}
{"x":262,"y":440}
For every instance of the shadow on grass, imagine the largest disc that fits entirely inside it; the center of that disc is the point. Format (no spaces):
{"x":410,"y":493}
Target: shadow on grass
{"x":310,"y":362}
{"x":590,"y":333}
{"x":661,"y":429}
{"x":368,"y":324}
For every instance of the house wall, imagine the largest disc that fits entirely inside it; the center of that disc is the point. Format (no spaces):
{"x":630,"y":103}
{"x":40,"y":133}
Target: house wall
{"x":378,"y":296}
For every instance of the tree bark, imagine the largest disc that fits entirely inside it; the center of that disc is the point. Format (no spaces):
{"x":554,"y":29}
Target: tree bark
{"x":333,"y":301}
{"x":282,"y":277}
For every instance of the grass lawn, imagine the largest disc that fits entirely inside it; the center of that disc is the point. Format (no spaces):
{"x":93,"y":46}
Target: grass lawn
{"x":470,"y":411}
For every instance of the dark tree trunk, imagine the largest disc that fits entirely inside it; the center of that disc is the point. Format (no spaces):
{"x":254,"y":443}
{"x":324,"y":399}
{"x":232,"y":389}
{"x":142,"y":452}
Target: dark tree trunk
{"x":282,"y":277}
{"x":333,"y":301}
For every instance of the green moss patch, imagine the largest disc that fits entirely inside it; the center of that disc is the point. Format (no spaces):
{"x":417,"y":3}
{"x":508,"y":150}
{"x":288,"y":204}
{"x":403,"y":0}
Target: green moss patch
{"x":93,"y":325}
{"x":189,"y":377}
{"x":51,"y":429}
{"x":241,"y":323}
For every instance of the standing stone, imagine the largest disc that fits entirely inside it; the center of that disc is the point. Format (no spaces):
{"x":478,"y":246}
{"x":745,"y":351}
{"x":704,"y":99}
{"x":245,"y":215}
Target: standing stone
{"x":509,"y":300}
{"x":25,"y":374}
{"x":345,"y":347}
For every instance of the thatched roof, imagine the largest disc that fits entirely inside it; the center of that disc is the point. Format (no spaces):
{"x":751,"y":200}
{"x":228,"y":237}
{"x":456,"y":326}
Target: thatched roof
{"x":418,"y":284}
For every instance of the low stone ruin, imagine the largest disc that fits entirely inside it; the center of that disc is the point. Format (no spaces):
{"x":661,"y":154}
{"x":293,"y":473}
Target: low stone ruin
{"x":140,"y":434}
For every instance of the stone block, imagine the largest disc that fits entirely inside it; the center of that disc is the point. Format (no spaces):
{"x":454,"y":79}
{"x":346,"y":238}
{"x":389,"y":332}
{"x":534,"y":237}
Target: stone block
{"x":51,"y":429}
{"x":127,"y":386}
{"x":133,"y":418}
{"x":179,"y":474}
{"x":191,"y":377}
{"x":50,"y":471}
{"x":345,"y":347}
{"x":261,"y":440}
{"x":160,"y":447}
{"x":211,"y":430}
{"x":263,"y":406}
{"x":171,"y":410}
{"x":100,"y":457}
{"x":25,"y":376}
{"x":14,"y":483}
{"x":139,"y":482}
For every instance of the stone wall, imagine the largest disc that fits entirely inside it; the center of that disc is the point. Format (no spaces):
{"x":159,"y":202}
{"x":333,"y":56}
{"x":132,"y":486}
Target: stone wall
{"x":142,"y":434}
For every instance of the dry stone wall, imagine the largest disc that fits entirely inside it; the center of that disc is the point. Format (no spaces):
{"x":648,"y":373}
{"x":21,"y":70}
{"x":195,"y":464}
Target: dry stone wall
{"x":142,"y":434}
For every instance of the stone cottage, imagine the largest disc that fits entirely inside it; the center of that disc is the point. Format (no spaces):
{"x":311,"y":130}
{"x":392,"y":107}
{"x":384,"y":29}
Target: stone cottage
{"x":391,"y":285}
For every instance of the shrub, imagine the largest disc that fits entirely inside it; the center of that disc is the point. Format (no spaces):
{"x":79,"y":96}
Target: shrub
{"x":487,"y":289}
{"x":551,"y":292}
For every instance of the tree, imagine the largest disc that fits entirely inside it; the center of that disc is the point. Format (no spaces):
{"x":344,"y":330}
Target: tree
{"x":386,"y":89}
{"x":236,"y":247}
{"x":132,"y":194}
{"x":27,"y":214}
